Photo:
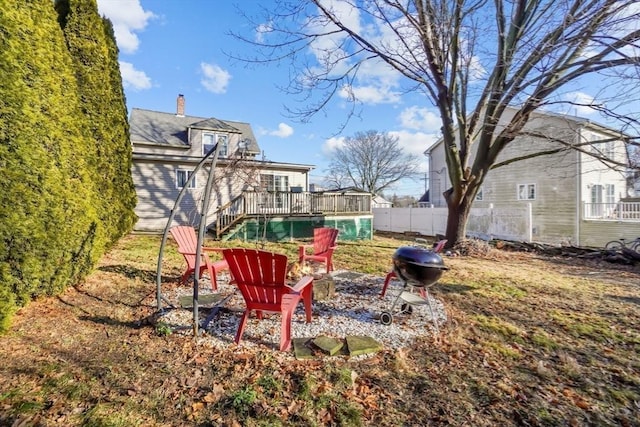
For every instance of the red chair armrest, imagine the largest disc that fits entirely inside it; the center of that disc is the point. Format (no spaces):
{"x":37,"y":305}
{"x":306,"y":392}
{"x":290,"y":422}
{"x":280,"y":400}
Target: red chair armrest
{"x":302,"y":284}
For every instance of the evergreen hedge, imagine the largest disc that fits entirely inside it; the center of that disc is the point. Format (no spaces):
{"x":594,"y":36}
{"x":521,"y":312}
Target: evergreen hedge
{"x":65,"y":156}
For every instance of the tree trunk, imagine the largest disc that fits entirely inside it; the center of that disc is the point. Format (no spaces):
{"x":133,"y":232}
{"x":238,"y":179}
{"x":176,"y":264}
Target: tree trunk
{"x":458,"y":215}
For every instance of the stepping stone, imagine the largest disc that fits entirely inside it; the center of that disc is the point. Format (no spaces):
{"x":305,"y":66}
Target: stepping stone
{"x":302,"y":348}
{"x":329,"y":345}
{"x":186,"y":301}
{"x":359,"y":345}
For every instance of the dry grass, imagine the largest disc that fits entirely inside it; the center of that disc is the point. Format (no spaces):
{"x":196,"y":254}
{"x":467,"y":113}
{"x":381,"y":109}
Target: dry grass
{"x":530,"y":341}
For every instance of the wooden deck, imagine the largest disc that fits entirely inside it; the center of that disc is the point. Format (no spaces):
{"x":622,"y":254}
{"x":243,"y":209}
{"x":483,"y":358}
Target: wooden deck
{"x":289,"y":204}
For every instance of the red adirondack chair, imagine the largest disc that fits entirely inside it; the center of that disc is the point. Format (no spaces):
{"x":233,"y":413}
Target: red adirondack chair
{"x":261,"y":278}
{"x":438,"y":247}
{"x":324,"y":243}
{"x":187,"y":241}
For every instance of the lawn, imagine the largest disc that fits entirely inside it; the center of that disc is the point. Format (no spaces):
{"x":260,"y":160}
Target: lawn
{"x":530,"y":340}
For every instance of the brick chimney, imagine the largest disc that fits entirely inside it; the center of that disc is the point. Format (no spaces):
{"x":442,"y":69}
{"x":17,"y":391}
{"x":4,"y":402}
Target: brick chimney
{"x":180,"y":106}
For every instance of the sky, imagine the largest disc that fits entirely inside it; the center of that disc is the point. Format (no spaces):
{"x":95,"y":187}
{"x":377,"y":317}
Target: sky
{"x":170,"y":47}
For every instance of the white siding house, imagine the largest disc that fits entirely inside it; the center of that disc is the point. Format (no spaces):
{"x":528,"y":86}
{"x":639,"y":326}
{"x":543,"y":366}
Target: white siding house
{"x":168,"y":146}
{"x":558,"y":185}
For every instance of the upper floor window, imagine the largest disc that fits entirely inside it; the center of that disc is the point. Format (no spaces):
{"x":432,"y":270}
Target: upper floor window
{"x":479,"y":195}
{"x":610,"y":149}
{"x":603,"y":146}
{"x":182,"y":178}
{"x":209,"y":141}
{"x":526,"y":191}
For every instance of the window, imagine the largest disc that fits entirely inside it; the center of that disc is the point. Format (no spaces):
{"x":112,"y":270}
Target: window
{"x":609,"y":150}
{"x":603,"y":146}
{"x":610,"y":193}
{"x":182,"y":178}
{"x":274,"y":182}
{"x":596,"y":201}
{"x":479,"y":195}
{"x":526,"y":192}
{"x":596,"y":146}
{"x":209,"y":141}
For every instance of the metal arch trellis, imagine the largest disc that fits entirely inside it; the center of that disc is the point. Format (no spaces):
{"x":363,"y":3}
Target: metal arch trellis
{"x":213,"y":155}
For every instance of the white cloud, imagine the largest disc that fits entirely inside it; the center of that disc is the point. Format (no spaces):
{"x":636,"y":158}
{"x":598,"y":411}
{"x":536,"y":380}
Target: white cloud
{"x":582,"y":103}
{"x":127,"y":18}
{"x":132,"y":78}
{"x":332,"y":143}
{"x":417,"y":118}
{"x":262,"y":30}
{"x":414,"y":143}
{"x":346,"y":13}
{"x":215,"y":78}
{"x":370,"y":94}
{"x":284,"y":131}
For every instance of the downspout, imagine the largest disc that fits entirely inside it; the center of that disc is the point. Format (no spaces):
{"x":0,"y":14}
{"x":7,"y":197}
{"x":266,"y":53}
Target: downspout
{"x":429,"y":173}
{"x":579,"y":204}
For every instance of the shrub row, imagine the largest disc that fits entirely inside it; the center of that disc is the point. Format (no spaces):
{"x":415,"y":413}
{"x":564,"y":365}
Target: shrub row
{"x":65,"y":155}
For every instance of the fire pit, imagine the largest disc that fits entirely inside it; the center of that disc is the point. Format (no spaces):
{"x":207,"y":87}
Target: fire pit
{"x":418,"y":268}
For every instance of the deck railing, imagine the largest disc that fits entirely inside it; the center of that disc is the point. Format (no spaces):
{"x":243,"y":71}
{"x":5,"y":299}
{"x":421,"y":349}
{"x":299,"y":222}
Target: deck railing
{"x":620,"y":211}
{"x":305,"y":203}
{"x":286,"y":203}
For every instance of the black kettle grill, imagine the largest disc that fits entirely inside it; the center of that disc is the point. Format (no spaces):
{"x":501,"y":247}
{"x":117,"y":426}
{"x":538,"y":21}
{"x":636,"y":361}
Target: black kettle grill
{"x":417,"y":267}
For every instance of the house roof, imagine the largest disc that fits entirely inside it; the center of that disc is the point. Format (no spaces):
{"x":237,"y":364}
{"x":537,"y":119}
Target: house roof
{"x":379,"y":200}
{"x":352,"y":188}
{"x":580,"y":121}
{"x":169,"y":129}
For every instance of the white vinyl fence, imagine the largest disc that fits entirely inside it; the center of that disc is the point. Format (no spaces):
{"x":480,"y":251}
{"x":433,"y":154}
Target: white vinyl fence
{"x":485,"y":223}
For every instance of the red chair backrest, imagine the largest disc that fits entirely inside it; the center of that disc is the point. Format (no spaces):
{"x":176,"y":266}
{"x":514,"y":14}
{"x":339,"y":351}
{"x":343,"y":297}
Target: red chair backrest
{"x":185,"y":237}
{"x":323,"y":239}
{"x":260,"y":275}
{"x":439,"y":246}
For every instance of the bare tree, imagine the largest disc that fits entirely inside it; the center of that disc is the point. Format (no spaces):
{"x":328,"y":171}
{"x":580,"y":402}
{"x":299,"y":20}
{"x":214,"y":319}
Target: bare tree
{"x":371,"y":161}
{"x":472,"y":59}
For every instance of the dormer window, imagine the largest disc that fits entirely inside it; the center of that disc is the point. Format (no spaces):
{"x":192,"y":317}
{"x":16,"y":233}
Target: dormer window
{"x":209,"y":141}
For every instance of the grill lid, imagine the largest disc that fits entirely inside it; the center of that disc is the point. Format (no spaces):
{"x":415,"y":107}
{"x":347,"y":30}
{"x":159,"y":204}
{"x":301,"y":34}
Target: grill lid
{"x":418,"y":265}
{"x":419,"y":256}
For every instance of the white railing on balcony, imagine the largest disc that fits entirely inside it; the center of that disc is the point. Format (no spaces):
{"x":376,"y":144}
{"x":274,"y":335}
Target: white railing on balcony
{"x":620,"y":211}
{"x":289,"y":203}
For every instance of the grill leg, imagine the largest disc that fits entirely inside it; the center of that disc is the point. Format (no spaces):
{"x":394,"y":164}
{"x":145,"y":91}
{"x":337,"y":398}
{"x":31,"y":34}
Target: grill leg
{"x":395,"y":301}
{"x":433,"y":315}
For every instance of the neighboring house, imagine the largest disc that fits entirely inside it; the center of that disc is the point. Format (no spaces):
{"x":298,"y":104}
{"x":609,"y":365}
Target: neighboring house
{"x":564,"y":189}
{"x":424,"y":201}
{"x":380,"y":202}
{"x":168,"y":146}
{"x":377,"y":201}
